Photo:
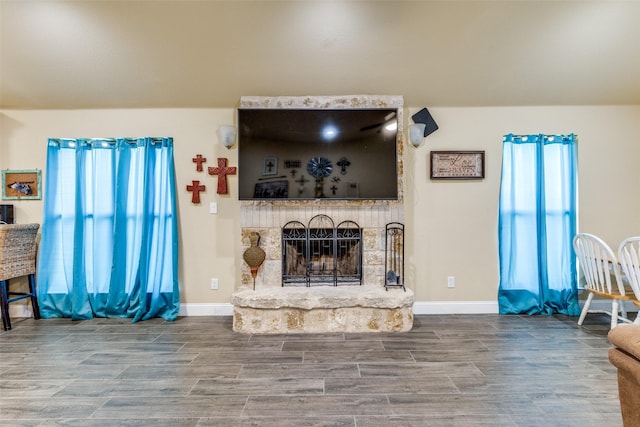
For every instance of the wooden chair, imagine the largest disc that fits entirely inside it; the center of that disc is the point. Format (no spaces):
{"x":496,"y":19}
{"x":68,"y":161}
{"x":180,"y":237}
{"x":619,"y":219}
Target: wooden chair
{"x":629,"y":258}
{"x":599,"y":263}
{"x":17,"y":259}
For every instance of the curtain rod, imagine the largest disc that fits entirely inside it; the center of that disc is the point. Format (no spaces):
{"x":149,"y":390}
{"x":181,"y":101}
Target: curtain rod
{"x":515,"y":135}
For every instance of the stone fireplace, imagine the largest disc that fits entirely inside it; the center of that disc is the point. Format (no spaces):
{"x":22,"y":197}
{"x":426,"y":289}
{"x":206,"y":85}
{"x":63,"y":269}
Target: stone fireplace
{"x":324,"y":269}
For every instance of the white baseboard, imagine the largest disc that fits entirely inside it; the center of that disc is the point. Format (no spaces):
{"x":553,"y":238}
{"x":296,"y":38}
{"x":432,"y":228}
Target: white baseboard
{"x":419,"y":307}
{"x":20,"y":310}
{"x":446,"y":307}
{"x":212,"y":309}
{"x":24,"y":310}
{"x":455,"y":307}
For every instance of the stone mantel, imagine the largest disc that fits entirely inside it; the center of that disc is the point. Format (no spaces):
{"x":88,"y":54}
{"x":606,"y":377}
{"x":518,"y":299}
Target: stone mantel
{"x":329,"y":101}
{"x":308,"y":298}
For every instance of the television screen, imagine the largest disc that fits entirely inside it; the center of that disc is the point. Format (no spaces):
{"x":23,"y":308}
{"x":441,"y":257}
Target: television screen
{"x":306,"y":154}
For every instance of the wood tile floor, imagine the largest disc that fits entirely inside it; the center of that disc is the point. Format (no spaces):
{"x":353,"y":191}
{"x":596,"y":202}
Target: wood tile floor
{"x":462,"y":370}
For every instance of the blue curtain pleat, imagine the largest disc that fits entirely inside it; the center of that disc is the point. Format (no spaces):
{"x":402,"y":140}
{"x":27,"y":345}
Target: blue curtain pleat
{"x":109,"y":233}
{"x":536,"y":225}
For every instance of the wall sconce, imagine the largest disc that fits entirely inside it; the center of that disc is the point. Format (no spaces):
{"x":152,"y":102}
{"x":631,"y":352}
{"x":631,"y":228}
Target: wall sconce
{"x":416,"y":134}
{"x":227,"y":135}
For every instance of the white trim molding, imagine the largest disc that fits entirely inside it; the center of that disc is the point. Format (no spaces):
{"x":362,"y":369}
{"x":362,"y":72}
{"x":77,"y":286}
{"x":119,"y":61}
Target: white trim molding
{"x":206,"y":309}
{"x":455,"y":307}
{"x":419,"y":307}
{"x":438,"y":307}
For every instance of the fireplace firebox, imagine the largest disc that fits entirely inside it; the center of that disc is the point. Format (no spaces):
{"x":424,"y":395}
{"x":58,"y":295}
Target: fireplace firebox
{"x":321,"y":253}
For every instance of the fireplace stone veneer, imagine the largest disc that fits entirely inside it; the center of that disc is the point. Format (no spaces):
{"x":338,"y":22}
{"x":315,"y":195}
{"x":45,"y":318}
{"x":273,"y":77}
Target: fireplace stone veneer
{"x":322,"y":309}
{"x":271,"y":308}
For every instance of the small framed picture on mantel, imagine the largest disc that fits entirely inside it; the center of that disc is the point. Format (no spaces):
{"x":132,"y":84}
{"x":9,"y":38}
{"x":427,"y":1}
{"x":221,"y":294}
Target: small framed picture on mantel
{"x":457,"y":165}
{"x":270,"y":166}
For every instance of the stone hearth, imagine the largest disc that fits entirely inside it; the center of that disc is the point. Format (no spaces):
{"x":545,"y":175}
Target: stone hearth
{"x":269,"y":307}
{"x":323,"y":309}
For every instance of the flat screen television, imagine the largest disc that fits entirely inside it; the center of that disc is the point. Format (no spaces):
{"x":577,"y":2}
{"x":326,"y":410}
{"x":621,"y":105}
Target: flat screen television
{"x":308,"y":154}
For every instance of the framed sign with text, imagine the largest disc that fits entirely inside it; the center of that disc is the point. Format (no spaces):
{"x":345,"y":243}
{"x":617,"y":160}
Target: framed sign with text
{"x":457,"y":165}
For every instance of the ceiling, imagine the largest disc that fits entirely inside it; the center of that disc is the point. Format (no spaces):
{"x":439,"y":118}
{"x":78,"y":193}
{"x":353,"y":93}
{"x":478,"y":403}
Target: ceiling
{"x":207,"y":54}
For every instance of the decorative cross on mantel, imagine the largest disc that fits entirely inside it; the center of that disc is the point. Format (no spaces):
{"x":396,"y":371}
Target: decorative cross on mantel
{"x":343,"y":163}
{"x":199,"y":160}
{"x":196,"y":188}
{"x":222,"y":171}
{"x":269,"y":166}
{"x":302,"y":180}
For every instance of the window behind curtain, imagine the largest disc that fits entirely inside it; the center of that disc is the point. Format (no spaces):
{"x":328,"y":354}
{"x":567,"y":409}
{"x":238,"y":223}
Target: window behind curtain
{"x":537,"y":222}
{"x":110,"y":229}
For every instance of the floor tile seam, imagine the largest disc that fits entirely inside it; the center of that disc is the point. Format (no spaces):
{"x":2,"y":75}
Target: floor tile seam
{"x":15,"y":336}
{"x":243,"y":411}
{"x":408,"y":362}
{"x":142,"y":353}
{"x":57,"y":394}
{"x":47,"y":366}
{"x":453,"y":383}
{"x":141,"y":395}
{"x":440,"y":417}
{"x":463,"y":352}
{"x":56,"y":384}
{"x":195,"y":383}
{"x":85,"y":363}
{"x":239,"y":373}
{"x":390,"y":394}
{"x":359,"y":351}
{"x":258,"y":380}
{"x":312,"y":337}
{"x":179,"y":349}
{"x":248,"y":363}
{"x":308,"y":397}
{"x":427,"y":365}
{"x":336,"y":352}
{"x":99,"y":401}
{"x":346,"y":343}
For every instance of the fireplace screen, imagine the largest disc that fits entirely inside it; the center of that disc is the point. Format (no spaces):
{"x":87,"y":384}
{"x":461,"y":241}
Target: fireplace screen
{"x":321,"y":253}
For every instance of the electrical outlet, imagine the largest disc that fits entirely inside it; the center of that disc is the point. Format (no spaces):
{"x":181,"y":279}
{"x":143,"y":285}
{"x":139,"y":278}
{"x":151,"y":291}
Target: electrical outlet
{"x":214,"y":283}
{"x":451,"y":281}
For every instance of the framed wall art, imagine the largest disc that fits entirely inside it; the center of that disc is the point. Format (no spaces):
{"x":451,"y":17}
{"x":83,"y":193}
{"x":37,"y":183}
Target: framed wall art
{"x":457,"y":165}
{"x":291,"y":164}
{"x":272,"y":190}
{"x":21,"y":184}
{"x":270,"y":166}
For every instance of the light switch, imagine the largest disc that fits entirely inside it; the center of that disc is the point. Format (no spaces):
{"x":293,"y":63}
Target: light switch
{"x":213,"y":207}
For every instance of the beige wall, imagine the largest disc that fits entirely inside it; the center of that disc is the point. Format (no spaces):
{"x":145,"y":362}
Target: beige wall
{"x":455,"y":223}
{"x":452,"y":226}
